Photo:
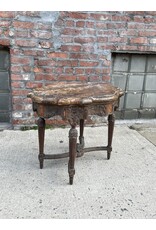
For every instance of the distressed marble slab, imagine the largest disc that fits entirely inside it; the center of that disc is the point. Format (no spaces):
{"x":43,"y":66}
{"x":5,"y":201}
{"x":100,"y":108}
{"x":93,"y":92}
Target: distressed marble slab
{"x":75,"y":93}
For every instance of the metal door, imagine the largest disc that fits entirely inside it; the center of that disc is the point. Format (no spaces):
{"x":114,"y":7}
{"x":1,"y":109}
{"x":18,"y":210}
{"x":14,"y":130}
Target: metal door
{"x":136,"y":74}
{"x":5,"y":100}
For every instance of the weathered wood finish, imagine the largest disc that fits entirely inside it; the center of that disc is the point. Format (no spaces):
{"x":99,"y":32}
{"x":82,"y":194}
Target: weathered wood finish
{"x":74,"y":102}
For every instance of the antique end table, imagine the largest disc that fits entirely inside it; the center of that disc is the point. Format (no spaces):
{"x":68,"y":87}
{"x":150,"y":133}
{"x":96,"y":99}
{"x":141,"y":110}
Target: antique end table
{"x":74,"y":102}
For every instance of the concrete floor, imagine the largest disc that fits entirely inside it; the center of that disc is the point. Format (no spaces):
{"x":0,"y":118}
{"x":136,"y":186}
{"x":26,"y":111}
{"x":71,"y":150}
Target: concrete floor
{"x":122,"y":188}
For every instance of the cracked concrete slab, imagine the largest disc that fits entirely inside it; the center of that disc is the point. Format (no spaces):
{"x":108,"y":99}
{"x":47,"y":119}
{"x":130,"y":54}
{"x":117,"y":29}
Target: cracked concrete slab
{"x":120,"y":188}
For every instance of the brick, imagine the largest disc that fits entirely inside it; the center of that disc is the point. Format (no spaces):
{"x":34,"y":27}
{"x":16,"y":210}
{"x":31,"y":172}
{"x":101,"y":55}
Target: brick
{"x":74,"y":48}
{"x":100,"y":17}
{"x":107,"y":32}
{"x":41,"y":34}
{"x":58,"y":70}
{"x":32,"y":85}
{"x":22,"y":33}
{"x":147,"y":33}
{"x":72,"y":31}
{"x":29,"y":13}
{"x":117,"y":39}
{"x":121,"y":18}
{"x":49,"y":77}
{"x":79,"y":71}
{"x":84,"y":40}
{"x":24,"y":25}
{"x":20,"y":92}
{"x":149,"y":20}
{"x":30,"y":52}
{"x":89,"y":71}
{"x":44,"y":26}
{"x":77,"y":15}
{"x":67,"y":39}
{"x":80,"y":24}
{"x":82,"y":78}
{"x":113,"y":25}
{"x":67,"y":63}
{"x":46,"y":62}
{"x":16,"y":77}
{"x":69,"y":23}
{"x":106,"y":78}
{"x":17,"y":84}
{"x":87,"y":48}
{"x":136,"y":26}
{"x":7,"y":14}
{"x":88,"y":64}
{"x":101,"y":25}
{"x":57,"y":55}
{"x":78,"y":56}
{"x":129,"y":33}
{"x":90,"y":32}
{"x":17,"y":100}
{"x":5,"y":42}
{"x":38,"y":70}
{"x":139,"y":40}
{"x":15,"y":51}
{"x":26,"y":43}
{"x":48,"y":69}
{"x":67,"y":78}
{"x":102,"y":39}
{"x":69,"y":70}
{"x":15,"y":68}
{"x":90,"y":24}
{"x":21,"y":60}
{"x":5,"y":23}
{"x":27,"y":68}
{"x":42,"y":76}
{"x":95,"y":78}
{"x":139,"y":19}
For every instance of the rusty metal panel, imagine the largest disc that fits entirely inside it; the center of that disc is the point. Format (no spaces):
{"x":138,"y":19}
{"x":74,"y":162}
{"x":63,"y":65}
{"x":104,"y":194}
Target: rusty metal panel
{"x":5,"y":102}
{"x":4,"y":60}
{"x":136,"y":74}
{"x":138,"y":63}
{"x":119,"y":80}
{"x":149,"y":100}
{"x":133,"y":101}
{"x":135,"y":82}
{"x":150,"y":82}
{"x":4,"y":81}
{"x":151,"y":64}
{"x":121,"y":63}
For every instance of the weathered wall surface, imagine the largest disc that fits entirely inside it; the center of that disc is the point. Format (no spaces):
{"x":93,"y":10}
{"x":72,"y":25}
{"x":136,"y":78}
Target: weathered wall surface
{"x":47,"y":47}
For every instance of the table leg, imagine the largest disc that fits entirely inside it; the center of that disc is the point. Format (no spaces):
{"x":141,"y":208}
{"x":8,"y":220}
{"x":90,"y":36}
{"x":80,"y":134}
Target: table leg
{"x":81,"y":137}
{"x":111,"y":121}
{"x":41,"y":132}
{"x":80,"y":145}
{"x":72,"y":153}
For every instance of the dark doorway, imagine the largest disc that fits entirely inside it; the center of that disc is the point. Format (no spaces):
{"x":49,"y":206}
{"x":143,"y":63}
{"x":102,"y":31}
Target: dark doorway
{"x":5,"y":94}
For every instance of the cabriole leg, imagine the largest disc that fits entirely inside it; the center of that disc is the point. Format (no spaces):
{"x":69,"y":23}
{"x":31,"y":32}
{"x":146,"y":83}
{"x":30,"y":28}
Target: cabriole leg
{"x":111,"y":121}
{"x":41,"y":133}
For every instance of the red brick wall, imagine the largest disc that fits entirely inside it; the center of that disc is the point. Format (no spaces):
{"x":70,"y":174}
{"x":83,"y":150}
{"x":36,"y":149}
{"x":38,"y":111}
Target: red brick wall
{"x":47,"y":47}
